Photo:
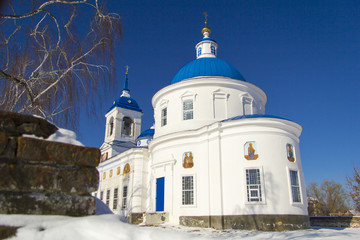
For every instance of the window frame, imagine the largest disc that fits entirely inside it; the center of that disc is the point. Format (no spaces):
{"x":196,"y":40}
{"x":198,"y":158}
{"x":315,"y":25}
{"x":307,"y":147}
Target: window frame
{"x":193,"y":191}
{"x":298,"y":186}
{"x":111,"y":127}
{"x":107,"y":201}
{"x":187,"y":111}
{"x":115,"y":198}
{"x":213,"y":50}
{"x":127,"y":126}
{"x":124,"y":197}
{"x":164,"y":117}
{"x":199,"y":51}
{"x":260,"y":187}
{"x":101,"y":195}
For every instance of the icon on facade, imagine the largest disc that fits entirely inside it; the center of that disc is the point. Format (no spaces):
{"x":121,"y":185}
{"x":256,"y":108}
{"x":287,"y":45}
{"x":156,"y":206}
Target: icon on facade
{"x":104,"y":157}
{"x":118,"y":171}
{"x":111,"y":173}
{"x":250,"y":148}
{"x":290,"y":152}
{"x":188,"y":160}
{"x":126,"y":169}
{"x":104,"y":175}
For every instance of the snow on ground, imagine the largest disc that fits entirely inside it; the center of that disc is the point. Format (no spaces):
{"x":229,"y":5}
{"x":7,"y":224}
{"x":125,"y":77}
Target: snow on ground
{"x":113,"y":227}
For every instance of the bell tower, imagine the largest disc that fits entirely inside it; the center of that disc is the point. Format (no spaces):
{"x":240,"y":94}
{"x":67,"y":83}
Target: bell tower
{"x":123,"y":123}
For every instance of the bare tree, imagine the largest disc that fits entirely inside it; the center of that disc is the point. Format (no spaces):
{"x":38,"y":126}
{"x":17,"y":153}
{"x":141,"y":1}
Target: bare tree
{"x":327,"y":199}
{"x":55,"y":55}
{"x":354,"y":185}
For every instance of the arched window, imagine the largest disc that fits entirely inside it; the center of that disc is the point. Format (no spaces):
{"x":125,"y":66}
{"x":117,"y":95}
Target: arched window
{"x":199,"y":51}
{"x":111,"y":126}
{"x":213,"y":50}
{"x":127,"y":126}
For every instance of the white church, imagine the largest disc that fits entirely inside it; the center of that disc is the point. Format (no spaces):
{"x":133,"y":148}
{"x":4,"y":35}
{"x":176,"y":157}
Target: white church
{"x":212,"y":159}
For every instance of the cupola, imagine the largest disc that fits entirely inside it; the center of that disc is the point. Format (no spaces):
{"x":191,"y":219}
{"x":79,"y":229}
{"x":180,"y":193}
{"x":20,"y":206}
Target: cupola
{"x":207,"y":47}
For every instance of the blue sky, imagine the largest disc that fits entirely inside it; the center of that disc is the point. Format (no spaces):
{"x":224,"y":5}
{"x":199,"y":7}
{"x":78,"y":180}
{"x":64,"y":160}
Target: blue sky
{"x":304,"y":54}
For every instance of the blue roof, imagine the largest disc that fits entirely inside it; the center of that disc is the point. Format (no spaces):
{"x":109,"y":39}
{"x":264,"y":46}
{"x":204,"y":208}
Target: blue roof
{"x":127,"y":103}
{"x":253,"y":116}
{"x":207,"y":67}
{"x":207,"y":39}
{"x":147,"y":133}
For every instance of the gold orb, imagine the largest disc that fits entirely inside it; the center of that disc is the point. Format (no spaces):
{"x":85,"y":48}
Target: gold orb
{"x":205,"y":29}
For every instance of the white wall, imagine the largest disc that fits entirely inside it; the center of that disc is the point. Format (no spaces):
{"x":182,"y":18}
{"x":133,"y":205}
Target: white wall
{"x":202,"y":90}
{"x":219,"y":168}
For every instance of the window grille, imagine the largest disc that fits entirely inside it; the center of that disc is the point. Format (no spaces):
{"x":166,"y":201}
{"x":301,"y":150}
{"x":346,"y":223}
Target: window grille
{"x":253,"y":185}
{"x":187,"y":190}
{"x":188,"y":110}
{"x":163,"y":116}
{"x":107,"y":197}
{"x":124,"y":199}
{"x":115,"y":201}
{"x":295,"y":187}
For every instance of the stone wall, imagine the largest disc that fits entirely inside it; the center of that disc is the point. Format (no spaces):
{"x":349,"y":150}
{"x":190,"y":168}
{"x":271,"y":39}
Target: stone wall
{"x":44,"y":177}
{"x":336,"y":221}
{"x":249,"y":222}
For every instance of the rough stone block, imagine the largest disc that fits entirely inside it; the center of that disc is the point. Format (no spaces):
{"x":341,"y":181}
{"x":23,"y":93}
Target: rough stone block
{"x":3,"y":141}
{"x":46,"y":203}
{"x":16,"y":124}
{"x":17,"y":176}
{"x":37,"y":150}
{"x":7,"y":232}
{"x":250,"y":222}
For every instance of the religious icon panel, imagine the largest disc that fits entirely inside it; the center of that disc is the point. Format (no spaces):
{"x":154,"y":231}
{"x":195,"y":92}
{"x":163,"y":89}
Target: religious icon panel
{"x":188,"y":160}
{"x":250,"y":150}
{"x":290,"y":152}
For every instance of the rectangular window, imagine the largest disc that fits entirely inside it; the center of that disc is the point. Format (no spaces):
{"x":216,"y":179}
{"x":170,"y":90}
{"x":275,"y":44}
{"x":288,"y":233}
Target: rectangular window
{"x":101,"y":195}
{"x":163,"y":116}
{"x":115,"y":202}
{"x":253,"y":185}
{"x":295,"y":187}
{"x":124,"y":198}
{"x":187,"y":190}
{"x":107,"y":197}
{"x":188,"y":110}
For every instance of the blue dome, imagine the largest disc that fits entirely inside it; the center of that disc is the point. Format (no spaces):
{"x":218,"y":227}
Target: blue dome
{"x":207,"y":67}
{"x":127,"y":103}
{"x":147,"y":133}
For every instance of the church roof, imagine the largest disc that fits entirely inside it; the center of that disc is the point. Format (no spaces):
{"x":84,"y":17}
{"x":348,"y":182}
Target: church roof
{"x":147,"y":133}
{"x":127,"y":103}
{"x":207,"y":67}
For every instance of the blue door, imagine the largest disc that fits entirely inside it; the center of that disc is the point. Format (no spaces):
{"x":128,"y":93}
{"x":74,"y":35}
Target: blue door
{"x":160,"y":184}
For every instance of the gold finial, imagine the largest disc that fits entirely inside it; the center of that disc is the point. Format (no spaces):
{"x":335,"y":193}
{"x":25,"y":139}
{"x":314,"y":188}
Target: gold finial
{"x":205,"y":14}
{"x":206,"y":29}
{"x":127,"y":69}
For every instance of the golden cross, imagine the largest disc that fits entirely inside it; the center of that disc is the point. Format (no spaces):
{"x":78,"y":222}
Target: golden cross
{"x":205,"y":14}
{"x":127,"y":69}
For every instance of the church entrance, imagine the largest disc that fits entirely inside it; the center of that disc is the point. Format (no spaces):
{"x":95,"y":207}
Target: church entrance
{"x":160,"y":190}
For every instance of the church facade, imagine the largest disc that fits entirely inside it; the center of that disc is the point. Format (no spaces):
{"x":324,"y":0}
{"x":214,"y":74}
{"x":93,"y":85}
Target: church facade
{"x":212,"y":159}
